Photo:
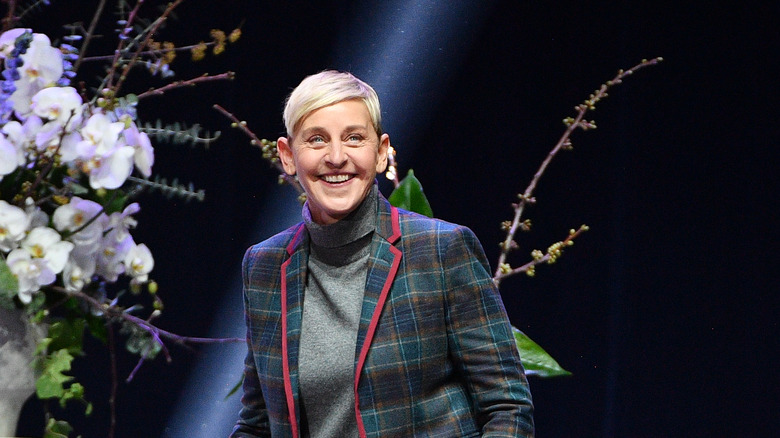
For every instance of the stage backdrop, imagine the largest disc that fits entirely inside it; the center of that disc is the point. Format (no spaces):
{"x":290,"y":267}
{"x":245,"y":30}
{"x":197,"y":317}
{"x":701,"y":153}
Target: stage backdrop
{"x":665,"y":312}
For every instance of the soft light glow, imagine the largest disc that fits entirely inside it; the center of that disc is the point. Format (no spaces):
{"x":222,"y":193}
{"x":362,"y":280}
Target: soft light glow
{"x":202,"y":410}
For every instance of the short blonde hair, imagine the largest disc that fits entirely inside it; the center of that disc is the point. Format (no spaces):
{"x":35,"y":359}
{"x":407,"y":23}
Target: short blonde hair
{"x":326,"y":88}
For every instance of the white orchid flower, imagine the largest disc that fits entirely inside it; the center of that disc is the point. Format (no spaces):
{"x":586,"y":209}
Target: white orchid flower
{"x":112,"y":170}
{"x":107,"y":161}
{"x":144,"y":152}
{"x":32,"y":273}
{"x":78,"y":272}
{"x":139,"y":263}
{"x":100,"y":136}
{"x":45,"y":243}
{"x":86,"y":219}
{"x":42,"y":68}
{"x":112,"y":254}
{"x":58,"y":105}
{"x":11,"y":156}
{"x":13,"y":225}
{"x":123,"y":222}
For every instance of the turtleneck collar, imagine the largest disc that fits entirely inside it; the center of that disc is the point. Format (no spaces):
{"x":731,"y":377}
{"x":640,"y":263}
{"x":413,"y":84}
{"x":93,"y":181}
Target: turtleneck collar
{"x":358,"y":224}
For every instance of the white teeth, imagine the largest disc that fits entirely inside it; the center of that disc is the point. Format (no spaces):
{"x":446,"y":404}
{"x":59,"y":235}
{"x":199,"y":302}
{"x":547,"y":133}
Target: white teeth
{"x":335,"y":178}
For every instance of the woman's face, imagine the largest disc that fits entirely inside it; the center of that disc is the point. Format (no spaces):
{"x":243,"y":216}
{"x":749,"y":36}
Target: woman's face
{"x":336,"y":154}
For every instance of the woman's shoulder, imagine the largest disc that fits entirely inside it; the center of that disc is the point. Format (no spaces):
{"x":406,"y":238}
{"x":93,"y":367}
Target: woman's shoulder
{"x":277,"y":243}
{"x":412,"y":222}
{"x":417,"y":220}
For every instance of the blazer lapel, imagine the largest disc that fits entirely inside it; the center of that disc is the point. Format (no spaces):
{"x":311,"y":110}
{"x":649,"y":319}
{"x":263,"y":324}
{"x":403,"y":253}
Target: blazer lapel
{"x":293,"y":272}
{"x":383,"y":263}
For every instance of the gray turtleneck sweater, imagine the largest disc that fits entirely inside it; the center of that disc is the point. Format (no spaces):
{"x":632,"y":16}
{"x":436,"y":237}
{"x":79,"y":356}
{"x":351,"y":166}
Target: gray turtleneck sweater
{"x":332,"y":302}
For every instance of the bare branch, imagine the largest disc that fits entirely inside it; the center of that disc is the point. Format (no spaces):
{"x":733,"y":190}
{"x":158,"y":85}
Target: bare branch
{"x":563,"y":143}
{"x":142,"y":47}
{"x":256,"y":141}
{"x":187,"y":83}
{"x":156,"y":52}
{"x":90,"y":34}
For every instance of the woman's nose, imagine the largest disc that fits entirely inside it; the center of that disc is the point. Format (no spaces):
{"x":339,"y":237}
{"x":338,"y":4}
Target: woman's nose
{"x":336,"y":156}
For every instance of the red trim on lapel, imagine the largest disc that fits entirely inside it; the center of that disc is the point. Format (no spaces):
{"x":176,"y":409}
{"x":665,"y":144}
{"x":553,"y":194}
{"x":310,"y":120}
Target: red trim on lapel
{"x":295,"y":240}
{"x":285,"y":356}
{"x":396,"y":225}
{"x":377,"y":313}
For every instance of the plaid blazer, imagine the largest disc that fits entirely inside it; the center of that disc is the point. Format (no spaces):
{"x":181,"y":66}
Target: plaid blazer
{"x":435,"y":354}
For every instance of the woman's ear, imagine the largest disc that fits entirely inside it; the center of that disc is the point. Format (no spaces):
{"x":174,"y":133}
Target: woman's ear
{"x":381,"y":159}
{"x":284,"y":149}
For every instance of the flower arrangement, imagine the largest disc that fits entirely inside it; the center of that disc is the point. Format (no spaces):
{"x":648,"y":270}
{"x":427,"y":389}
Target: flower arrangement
{"x":73,"y":158}
{"x":54,"y":148}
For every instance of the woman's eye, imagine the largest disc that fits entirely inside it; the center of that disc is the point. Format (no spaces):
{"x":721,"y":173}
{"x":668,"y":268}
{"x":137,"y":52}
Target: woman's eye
{"x":316,"y":139}
{"x":354,"y":138}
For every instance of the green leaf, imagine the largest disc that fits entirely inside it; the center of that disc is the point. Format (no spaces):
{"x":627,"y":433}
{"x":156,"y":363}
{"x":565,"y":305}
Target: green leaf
{"x":37,"y":304}
{"x":9,"y":285}
{"x":42,"y":346}
{"x":235,"y":388}
{"x":51,"y":382}
{"x":535,"y":360}
{"x":57,"y":429}
{"x":114,"y":201}
{"x":409,"y":196}
{"x":75,"y":392}
{"x":97,"y":326}
{"x":67,"y":334}
{"x":78,"y":189}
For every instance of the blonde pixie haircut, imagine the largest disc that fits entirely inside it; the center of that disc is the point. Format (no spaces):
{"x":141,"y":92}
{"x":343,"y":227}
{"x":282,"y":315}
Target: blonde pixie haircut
{"x":326,"y":88}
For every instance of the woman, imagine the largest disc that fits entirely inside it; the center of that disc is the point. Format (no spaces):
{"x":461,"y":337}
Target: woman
{"x":366,"y":320}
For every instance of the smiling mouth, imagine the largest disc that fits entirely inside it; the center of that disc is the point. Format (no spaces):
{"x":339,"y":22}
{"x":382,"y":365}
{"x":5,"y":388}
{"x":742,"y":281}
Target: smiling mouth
{"x":335,"y":179}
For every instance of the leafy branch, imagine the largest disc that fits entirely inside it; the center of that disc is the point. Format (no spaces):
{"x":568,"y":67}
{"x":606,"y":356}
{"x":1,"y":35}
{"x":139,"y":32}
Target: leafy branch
{"x":146,"y":340}
{"x":170,"y":190}
{"x":178,"y":133}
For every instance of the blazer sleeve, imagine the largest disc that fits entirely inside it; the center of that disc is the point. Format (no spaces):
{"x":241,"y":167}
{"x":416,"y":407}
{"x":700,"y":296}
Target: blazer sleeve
{"x":253,"y":418}
{"x":483,"y":345}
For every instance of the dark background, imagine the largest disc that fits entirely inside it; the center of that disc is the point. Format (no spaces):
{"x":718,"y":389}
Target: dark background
{"x":665,"y":312}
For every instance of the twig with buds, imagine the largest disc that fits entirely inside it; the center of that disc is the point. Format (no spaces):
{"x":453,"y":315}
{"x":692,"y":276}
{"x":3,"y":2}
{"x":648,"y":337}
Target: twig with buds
{"x":143,"y":46}
{"x":503,"y":269}
{"x":268,"y":147}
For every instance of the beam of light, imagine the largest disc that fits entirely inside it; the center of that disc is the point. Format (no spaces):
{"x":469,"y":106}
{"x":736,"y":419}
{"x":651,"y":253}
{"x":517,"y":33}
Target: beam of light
{"x":406,"y":52}
{"x":202,"y":410}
